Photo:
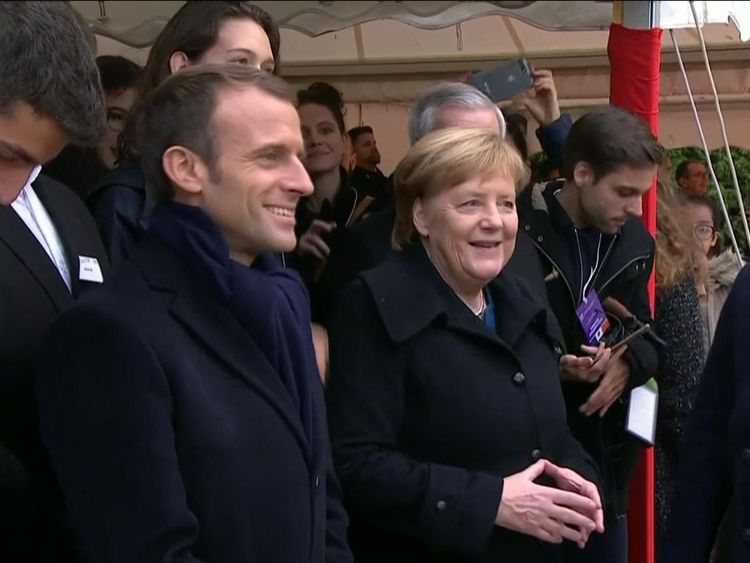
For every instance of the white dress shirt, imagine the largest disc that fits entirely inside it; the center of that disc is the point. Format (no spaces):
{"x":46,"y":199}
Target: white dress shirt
{"x":31,"y":211}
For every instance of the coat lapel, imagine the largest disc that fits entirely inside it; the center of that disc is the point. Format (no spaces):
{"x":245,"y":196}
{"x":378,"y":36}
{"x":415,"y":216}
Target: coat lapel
{"x":410,"y":295}
{"x":514,"y":312}
{"x":68,"y":225}
{"x":217,"y":330}
{"x":22,"y":242}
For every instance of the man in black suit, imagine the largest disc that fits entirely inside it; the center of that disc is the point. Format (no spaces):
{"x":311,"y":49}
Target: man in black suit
{"x":181,"y":403}
{"x":49,"y":250}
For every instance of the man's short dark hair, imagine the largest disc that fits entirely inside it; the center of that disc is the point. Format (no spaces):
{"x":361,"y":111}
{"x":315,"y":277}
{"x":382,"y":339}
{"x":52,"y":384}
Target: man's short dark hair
{"x":117,"y":73}
{"x":609,"y":139}
{"x":46,"y":63}
{"x":179,"y":112}
{"x":356,"y":132}
{"x":683,"y":167}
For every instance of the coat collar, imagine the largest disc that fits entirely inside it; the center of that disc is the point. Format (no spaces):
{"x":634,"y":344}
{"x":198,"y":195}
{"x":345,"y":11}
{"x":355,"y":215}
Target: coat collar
{"x":342,"y":207}
{"x":410,"y":295}
{"x":194,"y":305}
{"x":722,"y":270}
{"x":66,"y":221}
{"x":21,"y":241}
{"x":128,"y":173}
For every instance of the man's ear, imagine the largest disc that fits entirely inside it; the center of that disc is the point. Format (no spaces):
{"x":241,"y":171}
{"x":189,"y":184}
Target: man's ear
{"x":186,"y":171}
{"x":583,"y":175}
{"x":178,"y":60}
{"x":419,"y":217}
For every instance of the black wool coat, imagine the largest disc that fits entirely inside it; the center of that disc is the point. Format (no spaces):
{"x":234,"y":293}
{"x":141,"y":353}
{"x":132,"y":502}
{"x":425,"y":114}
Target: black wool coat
{"x":172,"y":435}
{"x":429,"y":409}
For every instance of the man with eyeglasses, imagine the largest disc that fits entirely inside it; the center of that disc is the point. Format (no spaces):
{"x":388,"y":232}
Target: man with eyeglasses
{"x":81,"y":168}
{"x":692,"y":178}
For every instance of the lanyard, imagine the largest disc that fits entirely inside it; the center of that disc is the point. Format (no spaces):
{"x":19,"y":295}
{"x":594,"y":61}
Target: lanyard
{"x":592,"y":275}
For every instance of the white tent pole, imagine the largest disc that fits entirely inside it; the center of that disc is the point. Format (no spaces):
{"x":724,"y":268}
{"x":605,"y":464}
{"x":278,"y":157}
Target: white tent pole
{"x":735,"y":181}
{"x":706,"y":151}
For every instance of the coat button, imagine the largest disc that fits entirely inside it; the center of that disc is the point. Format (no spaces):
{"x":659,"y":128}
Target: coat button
{"x":558,"y":350}
{"x":540,"y":238}
{"x":440,"y":505}
{"x":317,"y":481}
{"x":527,"y":228}
{"x":519,"y":380}
{"x":536,"y":455}
{"x":746,"y":454}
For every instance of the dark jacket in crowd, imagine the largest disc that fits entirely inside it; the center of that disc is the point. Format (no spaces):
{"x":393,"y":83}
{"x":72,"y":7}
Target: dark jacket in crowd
{"x":340,"y":210}
{"x":346,"y":210}
{"x":187,"y":446}
{"x":367,"y":243}
{"x":552,"y":139}
{"x":429,"y":409}
{"x":118,"y":205}
{"x":373,"y":183}
{"x":627,"y":264}
{"x":32,"y":295}
{"x":715,"y":455}
{"x":79,"y":168}
{"x":678,"y":322}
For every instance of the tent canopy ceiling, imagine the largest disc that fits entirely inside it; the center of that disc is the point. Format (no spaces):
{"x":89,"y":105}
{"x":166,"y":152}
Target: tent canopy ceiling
{"x":137,"y":22}
{"x":322,"y":36}
{"x":382,"y":55}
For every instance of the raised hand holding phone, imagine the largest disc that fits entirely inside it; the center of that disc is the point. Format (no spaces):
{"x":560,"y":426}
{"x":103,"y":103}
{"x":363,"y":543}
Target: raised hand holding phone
{"x":505,"y":82}
{"x":541,"y":98}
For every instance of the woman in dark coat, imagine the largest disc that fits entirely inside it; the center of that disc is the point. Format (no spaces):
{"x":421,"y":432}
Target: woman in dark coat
{"x":336,"y":202}
{"x":715,"y":457}
{"x":447,"y":420}
{"x":678,"y":322}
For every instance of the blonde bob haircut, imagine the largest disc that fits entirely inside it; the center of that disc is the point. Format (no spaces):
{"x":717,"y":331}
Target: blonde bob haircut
{"x":442,"y":160}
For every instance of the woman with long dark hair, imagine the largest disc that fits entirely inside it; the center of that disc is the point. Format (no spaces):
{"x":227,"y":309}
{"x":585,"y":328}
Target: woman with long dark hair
{"x":678,"y":322}
{"x":336,"y":203}
{"x":199,"y":33}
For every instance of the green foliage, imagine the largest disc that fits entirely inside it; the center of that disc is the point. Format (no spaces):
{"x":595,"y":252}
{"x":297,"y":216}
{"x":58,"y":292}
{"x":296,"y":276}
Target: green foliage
{"x":538,"y":158}
{"x":721,"y":165}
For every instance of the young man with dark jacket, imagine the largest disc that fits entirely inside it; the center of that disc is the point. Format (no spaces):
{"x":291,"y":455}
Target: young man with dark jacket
{"x":597,"y":257}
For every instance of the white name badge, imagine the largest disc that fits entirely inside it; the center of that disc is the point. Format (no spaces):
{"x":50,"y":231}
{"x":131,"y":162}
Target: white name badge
{"x":89,"y":270}
{"x":644,"y":402}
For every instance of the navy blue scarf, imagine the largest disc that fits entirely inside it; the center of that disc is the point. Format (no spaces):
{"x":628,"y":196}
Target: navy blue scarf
{"x":268,"y":300}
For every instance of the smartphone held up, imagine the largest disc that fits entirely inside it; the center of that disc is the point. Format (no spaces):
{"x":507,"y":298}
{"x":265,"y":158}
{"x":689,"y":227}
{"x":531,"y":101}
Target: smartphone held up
{"x":505,"y":82}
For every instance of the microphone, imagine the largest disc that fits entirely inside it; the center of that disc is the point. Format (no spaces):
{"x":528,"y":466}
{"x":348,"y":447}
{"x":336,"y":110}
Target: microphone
{"x":613,"y":306}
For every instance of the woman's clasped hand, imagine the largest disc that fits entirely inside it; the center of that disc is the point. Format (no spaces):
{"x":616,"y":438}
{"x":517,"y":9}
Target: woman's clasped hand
{"x":571,"y":509}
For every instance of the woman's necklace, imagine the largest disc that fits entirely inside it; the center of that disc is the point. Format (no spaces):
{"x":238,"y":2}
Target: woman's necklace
{"x":482,"y":307}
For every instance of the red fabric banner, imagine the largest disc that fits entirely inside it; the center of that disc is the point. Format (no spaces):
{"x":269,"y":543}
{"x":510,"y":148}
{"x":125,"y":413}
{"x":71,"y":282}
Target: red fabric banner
{"x":635,"y":59}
